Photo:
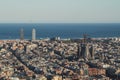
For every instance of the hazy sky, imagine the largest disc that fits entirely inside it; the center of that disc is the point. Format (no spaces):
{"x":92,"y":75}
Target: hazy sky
{"x":79,"y":11}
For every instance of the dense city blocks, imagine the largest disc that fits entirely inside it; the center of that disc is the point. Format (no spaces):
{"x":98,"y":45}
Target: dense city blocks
{"x":74,"y":59}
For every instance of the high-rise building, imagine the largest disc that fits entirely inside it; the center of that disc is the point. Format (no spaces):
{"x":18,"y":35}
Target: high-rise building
{"x":92,"y":52}
{"x":33,"y":34}
{"x":21,"y":34}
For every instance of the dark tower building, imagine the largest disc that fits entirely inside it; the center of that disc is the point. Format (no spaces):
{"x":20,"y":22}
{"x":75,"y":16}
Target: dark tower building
{"x":92,"y":52}
{"x":87,"y":53}
{"x":22,"y":34}
{"x":84,"y":51}
{"x":84,"y":48}
{"x":78,"y":51}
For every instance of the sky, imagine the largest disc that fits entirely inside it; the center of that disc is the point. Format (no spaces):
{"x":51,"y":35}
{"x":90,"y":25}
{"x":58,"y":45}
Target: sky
{"x":59,"y":11}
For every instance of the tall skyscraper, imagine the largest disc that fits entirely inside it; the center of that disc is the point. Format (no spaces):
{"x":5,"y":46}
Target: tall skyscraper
{"x":21,"y":34}
{"x":33,"y":34}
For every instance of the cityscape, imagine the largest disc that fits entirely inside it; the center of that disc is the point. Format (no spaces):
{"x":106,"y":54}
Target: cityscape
{"x":60,"y":59}
{"x":59,"y":39}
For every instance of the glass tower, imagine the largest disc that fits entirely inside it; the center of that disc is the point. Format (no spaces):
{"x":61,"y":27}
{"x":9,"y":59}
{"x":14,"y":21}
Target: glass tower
{"x":33,"y":34}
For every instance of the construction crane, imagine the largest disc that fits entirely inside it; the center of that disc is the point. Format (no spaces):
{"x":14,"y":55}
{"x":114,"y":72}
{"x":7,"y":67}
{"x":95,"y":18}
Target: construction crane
{"x":85,"y":38}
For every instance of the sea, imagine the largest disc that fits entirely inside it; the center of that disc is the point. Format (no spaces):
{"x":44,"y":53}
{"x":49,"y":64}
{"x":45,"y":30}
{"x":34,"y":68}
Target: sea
{"x":62,"y":30}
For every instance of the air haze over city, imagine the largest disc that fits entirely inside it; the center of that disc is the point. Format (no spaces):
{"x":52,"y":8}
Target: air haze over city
{"x":59,"y":40}
{"x":59,"y":11}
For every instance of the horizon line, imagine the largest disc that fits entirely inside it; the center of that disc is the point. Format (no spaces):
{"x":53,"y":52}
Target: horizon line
{"x":59,"y":22}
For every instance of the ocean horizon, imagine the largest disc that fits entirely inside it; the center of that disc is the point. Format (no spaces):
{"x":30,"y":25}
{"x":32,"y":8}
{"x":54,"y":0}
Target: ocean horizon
{"x":62,"y":30}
